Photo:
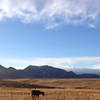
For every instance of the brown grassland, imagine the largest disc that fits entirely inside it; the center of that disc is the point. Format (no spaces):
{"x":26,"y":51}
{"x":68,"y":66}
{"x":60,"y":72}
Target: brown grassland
{"x":55,"y":89}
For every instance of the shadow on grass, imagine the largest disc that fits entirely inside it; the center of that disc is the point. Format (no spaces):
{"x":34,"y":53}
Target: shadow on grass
{"x":14,"y":84}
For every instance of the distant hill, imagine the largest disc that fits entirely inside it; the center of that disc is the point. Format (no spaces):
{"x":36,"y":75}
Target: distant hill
{"x":86,"y":70}
{"x":41,"y":72}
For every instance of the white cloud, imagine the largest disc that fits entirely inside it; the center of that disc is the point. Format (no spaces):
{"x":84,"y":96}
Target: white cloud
{"x":92,"y":26}
{"x":52,"y":25}
{"x":23,"y":9}
{"x":96,"y":67}
{"x":55,"y":11}
{"x":86,"y":59}
{"x":65,"y":63}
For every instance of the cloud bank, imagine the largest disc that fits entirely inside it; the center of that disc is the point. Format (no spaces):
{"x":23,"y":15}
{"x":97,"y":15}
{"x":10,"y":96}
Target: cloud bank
{"x":96,"y":66}
{"x":52,"y":12}
{"x":64,"y":63}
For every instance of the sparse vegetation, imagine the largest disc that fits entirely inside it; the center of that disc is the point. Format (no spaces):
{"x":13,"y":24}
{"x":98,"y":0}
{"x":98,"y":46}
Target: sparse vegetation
{"x":66,"y":89}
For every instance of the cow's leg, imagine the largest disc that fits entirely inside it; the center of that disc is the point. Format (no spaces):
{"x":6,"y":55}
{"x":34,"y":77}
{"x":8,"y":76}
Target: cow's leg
{"x":38,"y":97}
{"x":33,"y":97}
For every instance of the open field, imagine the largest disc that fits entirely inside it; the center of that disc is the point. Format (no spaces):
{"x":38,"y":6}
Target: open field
{"x":55,"y":89}
{"x":56,"y":83}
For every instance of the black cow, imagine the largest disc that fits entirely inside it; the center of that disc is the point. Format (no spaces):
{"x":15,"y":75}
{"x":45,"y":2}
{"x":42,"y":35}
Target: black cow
{"x":36,"y":93}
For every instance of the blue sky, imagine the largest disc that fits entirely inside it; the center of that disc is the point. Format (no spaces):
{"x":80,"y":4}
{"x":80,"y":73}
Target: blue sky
{"x":61,"y":33}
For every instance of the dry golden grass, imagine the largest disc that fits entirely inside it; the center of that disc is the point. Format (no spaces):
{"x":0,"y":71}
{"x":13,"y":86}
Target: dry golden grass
{"x":51,"y":94}
{"x":66,"y":89}
{"x":59,"y":83}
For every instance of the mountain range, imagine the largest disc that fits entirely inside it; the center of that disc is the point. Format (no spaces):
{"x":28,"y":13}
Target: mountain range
{"x":41,"y":72}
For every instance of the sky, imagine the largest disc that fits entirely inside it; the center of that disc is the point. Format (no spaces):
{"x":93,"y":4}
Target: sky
{"x":60,"y":33}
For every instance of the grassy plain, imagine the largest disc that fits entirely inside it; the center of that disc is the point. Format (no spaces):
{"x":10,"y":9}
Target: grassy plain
{"x":55,"y":89}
